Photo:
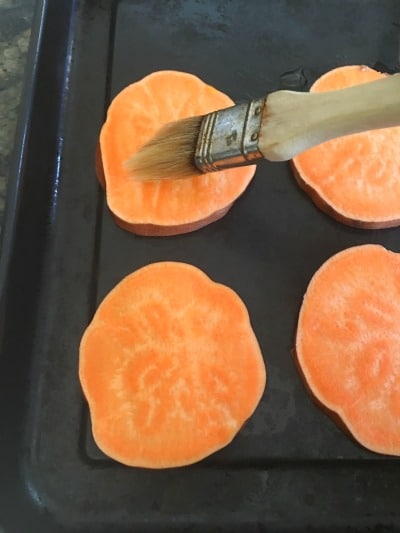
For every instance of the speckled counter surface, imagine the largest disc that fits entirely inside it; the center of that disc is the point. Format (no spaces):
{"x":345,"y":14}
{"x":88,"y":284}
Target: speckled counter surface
{"x":15,"y":26}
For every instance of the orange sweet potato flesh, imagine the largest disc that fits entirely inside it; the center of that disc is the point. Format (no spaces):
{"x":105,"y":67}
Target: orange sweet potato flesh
{"x":174,"y":206}
{"x":348,"y":343}
{"x":356,"y":178}
{"x":170,"y":367}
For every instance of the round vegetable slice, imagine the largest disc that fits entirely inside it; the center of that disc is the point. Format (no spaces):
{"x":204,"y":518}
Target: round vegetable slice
{"x":348,"y":343}
{"x":356,"y":178}
{"x":170,"y":367}
{"x":162,"y":207}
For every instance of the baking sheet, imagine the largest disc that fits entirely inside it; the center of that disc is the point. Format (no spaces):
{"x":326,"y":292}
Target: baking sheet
{"x":63,"y":253}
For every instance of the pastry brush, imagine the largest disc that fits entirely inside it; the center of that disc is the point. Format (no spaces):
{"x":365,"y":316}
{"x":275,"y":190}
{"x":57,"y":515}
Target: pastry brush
{"x":276,"y":127}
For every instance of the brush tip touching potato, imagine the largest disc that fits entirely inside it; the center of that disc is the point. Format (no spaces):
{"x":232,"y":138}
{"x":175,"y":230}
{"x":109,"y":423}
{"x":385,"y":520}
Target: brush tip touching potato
{"x":168,"y":207}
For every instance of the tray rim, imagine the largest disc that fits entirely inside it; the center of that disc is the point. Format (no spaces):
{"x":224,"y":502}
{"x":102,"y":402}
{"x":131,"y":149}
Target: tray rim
{"x":14,"y":184}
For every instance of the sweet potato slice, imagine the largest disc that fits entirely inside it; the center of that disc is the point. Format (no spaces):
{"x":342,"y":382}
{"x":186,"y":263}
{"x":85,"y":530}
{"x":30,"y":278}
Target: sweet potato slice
{"x":348,"y":343}
{"x":356,"y":178}
{"x":168,"y":207}
{"x":170,"y":367}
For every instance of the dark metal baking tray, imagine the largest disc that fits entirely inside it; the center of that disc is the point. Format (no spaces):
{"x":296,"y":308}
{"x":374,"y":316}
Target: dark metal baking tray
{"x":291,"y":468}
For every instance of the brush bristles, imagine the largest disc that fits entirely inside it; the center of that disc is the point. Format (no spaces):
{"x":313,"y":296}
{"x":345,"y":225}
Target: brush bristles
{"x":169,"y":154}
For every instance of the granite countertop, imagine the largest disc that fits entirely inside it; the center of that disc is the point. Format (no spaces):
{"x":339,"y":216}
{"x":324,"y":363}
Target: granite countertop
{"x":15,"y":25}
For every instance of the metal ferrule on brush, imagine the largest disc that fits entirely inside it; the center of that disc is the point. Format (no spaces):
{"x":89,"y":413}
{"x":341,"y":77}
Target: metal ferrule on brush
{"x":229,"y":137}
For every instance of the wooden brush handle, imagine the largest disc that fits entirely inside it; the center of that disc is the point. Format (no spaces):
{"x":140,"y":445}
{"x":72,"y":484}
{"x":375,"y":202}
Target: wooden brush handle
{"x":293,"y":122}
